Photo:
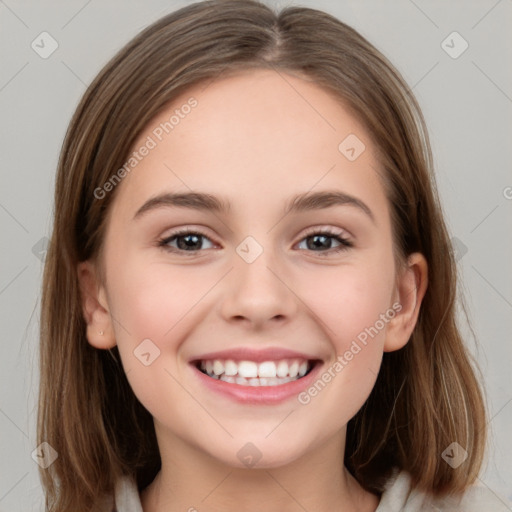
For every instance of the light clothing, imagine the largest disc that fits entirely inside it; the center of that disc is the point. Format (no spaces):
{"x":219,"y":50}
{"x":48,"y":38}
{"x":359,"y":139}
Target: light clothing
{"x":393,"y":499}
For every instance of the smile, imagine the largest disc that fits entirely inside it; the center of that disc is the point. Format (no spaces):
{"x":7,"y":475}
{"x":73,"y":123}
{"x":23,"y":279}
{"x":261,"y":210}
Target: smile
{"x":252,"y":373}
{"x":266,"y":382}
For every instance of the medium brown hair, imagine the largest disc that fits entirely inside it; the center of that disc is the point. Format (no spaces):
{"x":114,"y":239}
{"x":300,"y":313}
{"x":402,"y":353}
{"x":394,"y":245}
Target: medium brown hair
{"x":426,"y":395}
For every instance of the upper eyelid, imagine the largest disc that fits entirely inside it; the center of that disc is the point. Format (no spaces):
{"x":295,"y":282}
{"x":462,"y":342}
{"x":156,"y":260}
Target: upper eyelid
{"x":342,"y":233}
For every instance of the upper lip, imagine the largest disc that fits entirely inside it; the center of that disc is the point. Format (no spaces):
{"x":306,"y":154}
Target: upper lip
{"x":251,"y":354}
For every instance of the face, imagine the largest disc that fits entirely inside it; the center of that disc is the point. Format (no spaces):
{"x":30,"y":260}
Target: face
{"x":257,"y":280}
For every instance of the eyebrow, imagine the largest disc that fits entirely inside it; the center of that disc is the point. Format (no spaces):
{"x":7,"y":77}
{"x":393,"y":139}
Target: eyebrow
{"x":297,"y":204}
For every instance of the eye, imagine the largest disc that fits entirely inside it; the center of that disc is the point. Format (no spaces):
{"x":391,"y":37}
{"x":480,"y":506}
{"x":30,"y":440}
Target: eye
{"x":323,"y":240}
{"x":186,"y":240}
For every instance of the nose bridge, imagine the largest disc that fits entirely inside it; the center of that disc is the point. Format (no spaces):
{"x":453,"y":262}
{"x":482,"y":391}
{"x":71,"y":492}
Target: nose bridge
{"x":257,"y":291}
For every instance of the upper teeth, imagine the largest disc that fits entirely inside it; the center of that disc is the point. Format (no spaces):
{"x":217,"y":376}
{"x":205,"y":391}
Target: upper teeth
{"x":248,"y":369}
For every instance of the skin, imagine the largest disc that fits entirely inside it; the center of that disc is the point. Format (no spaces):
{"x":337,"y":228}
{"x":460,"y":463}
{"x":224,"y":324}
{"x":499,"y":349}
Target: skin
{"x":255,"y":138}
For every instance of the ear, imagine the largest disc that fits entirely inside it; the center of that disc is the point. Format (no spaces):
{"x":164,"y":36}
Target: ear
{"x":411,"y":285}
{"x":100,"y":333}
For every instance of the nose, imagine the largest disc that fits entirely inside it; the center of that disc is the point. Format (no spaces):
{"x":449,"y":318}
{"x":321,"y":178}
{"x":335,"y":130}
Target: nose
{"x":258,"y":293}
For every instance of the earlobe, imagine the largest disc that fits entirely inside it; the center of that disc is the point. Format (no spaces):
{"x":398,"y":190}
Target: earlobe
{"x":99,"y":331}
{"x":410,"y":291}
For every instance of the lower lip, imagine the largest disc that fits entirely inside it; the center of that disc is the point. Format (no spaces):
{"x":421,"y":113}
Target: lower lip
{"x":259,"y":394}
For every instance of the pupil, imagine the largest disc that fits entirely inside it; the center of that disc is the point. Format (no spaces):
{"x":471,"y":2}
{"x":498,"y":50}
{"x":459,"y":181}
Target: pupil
{"x":317,"y":243}
{"x":191,"y":242}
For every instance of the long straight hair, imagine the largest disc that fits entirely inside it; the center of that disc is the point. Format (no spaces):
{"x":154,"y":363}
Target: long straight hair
{"x":426,"y":396}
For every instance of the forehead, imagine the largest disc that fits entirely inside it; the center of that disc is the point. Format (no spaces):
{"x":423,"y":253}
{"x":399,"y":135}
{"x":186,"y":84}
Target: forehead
{"x":258,"y":133}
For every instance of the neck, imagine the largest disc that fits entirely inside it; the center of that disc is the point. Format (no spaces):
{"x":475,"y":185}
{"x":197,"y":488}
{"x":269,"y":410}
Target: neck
{"x":193,"y":481}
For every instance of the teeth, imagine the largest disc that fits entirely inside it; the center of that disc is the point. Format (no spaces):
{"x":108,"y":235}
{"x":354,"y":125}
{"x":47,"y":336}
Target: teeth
{"x":230,"y":368}
{"x":263,"y":381}
{"x":282,"y":369}
{"x":294,"y":369}
{"x":250,"y":373}
{"x":218,"y":367}
{"x":267,"y":369}
{"x":247,"y":369}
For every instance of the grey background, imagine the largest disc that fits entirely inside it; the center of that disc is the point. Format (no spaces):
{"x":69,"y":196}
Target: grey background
{"x":467,"y":102}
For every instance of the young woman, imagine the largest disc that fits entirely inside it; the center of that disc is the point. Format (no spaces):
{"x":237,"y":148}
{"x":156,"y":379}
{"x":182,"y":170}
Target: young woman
{"x":249,"y":296}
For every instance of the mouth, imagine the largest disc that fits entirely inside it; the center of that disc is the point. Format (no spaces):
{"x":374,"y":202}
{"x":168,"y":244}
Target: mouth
{"x":256,"y":373}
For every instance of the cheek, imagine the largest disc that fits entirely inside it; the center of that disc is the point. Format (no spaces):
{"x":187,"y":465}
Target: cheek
{"x":151,"y":298}
{"x":347,"y":299}
{"x":156,"y":302}
{"x":349,"y":302}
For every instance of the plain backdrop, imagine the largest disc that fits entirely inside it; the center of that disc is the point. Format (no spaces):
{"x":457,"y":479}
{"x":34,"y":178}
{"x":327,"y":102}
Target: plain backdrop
{"x":466,"y":97}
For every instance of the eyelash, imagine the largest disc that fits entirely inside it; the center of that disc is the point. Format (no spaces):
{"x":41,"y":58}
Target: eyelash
{"x":345,"y":244}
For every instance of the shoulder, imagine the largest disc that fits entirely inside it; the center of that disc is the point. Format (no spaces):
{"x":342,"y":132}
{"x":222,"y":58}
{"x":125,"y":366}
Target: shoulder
{"x":126,"y":496}
{"x":398,"y":496}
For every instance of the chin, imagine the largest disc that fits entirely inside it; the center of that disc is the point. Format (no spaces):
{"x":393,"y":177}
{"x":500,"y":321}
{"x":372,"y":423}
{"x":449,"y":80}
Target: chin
{"x":253,"y":452}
